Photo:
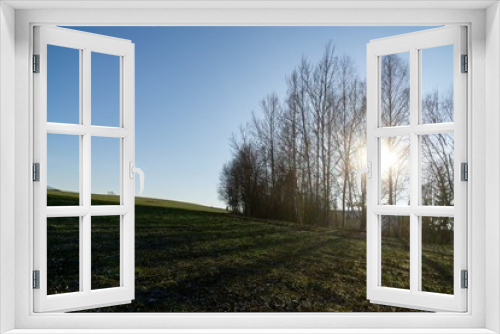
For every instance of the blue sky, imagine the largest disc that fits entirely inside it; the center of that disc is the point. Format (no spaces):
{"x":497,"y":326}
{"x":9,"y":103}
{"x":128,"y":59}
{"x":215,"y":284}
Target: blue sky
{"x":194,"y":87}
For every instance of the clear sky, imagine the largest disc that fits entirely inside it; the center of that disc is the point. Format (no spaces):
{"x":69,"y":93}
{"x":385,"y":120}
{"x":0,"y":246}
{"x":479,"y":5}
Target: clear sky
{"x":194,"y":87}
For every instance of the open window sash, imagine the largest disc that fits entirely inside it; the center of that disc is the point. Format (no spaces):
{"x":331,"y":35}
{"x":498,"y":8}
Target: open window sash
{"x":85,"y":297}
{"x":415,"y":297}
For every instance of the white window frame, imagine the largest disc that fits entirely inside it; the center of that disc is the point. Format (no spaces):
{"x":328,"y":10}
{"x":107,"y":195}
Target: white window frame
{"x":483,"y":315}
{"x":86,"y":44}
{"x":414,"y":43}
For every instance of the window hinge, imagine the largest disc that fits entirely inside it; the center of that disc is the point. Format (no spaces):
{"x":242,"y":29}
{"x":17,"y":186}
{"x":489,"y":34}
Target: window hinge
{"x":36,"y":63}
{"x":36,"y":279}
{"x":36,"y":172}
{"x":465,"y":64}
{"x":464,"y":171}
{"x":464,"y":279}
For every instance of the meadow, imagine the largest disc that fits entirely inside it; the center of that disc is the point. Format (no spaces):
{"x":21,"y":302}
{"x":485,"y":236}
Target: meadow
{"x":191,"y":258}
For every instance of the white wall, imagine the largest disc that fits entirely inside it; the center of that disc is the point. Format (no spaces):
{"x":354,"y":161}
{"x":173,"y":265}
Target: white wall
{"x":7,"y":163}
{"x":492,"y":163}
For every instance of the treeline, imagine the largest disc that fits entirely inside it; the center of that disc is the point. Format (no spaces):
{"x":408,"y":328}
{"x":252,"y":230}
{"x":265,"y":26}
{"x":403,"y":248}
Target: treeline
{"x":297,"y":158}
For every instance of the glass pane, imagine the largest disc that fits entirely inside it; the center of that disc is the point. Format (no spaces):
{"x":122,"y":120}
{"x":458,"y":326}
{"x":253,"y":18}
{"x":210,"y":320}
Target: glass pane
{"x":395,"y":171}
{"x":437,"y":84}
{"x":395,"y":251}
{"x":105,"y":90}
{"x":105,"y":171}
{"x":437,"y":254}
{"x":105,"y":252}
{"x":437,"y":169}
{"x":63,"y":170}
{"x":63,"y":85}
{"x":395,"y":89}
{"x":63,"y":255}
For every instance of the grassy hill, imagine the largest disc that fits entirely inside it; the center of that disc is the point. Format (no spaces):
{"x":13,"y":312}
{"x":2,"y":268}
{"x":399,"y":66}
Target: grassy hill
{"x":200,"y":261}
{"x":59,"y":197}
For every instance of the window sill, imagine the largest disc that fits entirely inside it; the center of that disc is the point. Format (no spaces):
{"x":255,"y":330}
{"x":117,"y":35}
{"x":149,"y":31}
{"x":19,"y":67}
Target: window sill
{"x":251,"y":331}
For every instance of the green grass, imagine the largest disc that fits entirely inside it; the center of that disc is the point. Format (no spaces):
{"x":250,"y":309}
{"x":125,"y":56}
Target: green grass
{"x":196,"y":261}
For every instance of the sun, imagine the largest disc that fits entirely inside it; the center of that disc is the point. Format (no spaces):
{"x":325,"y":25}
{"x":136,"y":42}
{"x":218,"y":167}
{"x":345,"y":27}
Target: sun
{"x":388,"y":158}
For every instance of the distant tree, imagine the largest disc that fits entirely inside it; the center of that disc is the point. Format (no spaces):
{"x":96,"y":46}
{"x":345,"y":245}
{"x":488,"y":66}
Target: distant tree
{"x":242,"y":178}
{"x":228,"y":187}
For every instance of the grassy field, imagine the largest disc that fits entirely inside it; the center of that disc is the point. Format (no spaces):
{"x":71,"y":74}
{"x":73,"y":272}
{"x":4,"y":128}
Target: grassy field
{"x":195,"y":259}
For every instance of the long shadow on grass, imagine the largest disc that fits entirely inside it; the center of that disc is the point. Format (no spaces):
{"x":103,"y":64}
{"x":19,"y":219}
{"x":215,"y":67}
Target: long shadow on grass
{"x":241,"y":250}
{"x":175,"y":238}
{"x":188,"y":246}
{"x":195,"y":242}
{"x":207,"y":291}
{"x":203,"y":286}
{"x":295,"y":273}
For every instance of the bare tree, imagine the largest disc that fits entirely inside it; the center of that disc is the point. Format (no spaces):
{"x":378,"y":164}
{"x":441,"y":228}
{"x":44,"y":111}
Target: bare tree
{"x":289,"y":141}
{"x":265,"y":130}
{"x":349,"y":117}
{"x":319,"y":90}
{"x":241,"y":178}
{"x":229,"y":188}
{"x":305,"y":146}
{"x":297,"y":159}
{"x":395,"y":98}
{"x":395,"y":91}
{"x":438,"y":166}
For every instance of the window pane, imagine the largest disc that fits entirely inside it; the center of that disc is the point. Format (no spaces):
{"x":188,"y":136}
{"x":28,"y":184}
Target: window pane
{"x":437,"y":254}
{"x":105,"y":90}
{"x":437,"y":84}
{"x":395,"y":171}
{"x":395,"y":266}
{"x":395,"y":89}
{"x":105,"y":252}
{"x":105,"y":171}
{"x":63,"y":255}
{"x":63,"y":170}
{"x":437,"y":169}
{"x":63,"y":85}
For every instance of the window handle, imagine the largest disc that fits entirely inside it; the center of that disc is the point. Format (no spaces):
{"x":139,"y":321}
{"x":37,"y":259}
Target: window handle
{"x":139,"y":171}
{"x":368,"y":172}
